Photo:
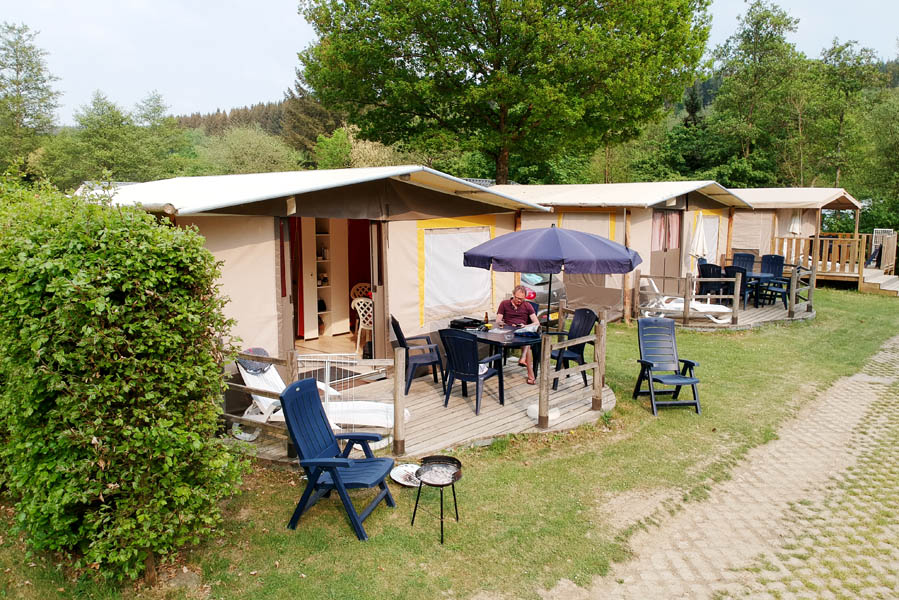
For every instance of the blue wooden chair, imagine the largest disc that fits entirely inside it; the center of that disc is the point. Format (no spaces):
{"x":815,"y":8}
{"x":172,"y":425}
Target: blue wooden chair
{"x":428,"y":354}
{"x":327,"y":468}
{"x":710,"y":271}
{"x":581,"y":324}
{"x":658,"y":356}
{"x":778,"y":285}
{"x":462,"y":363}
{"x":746,"y":290}
{"x":744,"y":260}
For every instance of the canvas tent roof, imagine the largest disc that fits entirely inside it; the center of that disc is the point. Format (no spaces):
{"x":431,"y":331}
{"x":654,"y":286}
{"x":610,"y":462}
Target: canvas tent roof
{"x":830,"y":198}
{"x":632,"y":195}
{"x":377,"y":193}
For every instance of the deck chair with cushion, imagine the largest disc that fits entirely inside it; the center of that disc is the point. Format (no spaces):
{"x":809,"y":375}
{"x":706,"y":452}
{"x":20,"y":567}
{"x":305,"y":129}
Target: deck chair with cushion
{"x":660,"y":364}
{"x":658,"y":304}
{"x":327,"y":467}
{"x":462,"y":363}
{"x":426,"y":355}
{"x":581,"y":323}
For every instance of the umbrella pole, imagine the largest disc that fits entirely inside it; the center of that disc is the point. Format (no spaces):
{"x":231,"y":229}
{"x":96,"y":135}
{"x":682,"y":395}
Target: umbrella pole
{"x":549,"y":301}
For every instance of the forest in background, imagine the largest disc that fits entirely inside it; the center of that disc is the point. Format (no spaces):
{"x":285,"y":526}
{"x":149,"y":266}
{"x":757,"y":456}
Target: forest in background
{"x":759,"y":114}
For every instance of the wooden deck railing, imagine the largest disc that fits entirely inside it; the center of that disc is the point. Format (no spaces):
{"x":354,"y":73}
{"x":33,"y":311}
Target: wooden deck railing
{"x":597,"y":365}
{"x":838,"y":254}
{"x":888,"y":254}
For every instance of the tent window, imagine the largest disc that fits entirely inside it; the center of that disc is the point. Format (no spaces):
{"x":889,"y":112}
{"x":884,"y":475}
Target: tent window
{"x":450,"y":288}
{"x":665,"y":230}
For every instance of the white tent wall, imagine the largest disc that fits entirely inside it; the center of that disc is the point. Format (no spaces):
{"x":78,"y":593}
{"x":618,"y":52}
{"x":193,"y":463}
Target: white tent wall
{"x":248,"y":248}
{"x":408,"y":275}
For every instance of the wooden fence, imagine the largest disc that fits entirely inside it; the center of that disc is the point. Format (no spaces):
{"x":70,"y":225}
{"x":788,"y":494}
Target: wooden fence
{"x":597,"y":365}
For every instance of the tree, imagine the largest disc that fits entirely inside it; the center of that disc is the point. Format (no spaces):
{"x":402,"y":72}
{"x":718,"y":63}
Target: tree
{"x":140,"y":146}
{"x":246,"y":149}
{"x":304,"y":119}
{"x":27,"y":99}
{"x":848,"y":71}
{"x":755,"y":63}
{"x":538,"y":79}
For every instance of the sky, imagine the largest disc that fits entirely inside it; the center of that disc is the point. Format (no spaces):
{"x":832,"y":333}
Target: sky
{"x":202,"y":55}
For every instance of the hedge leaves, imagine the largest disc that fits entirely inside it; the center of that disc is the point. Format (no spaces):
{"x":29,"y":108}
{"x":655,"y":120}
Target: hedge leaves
{"x":111,"y":358}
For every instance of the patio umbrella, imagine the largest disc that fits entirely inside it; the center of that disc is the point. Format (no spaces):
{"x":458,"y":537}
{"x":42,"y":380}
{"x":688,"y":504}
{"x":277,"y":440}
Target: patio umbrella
{"x":551,"y":250}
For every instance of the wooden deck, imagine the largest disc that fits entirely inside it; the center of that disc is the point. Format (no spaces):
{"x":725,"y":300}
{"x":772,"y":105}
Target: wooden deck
{"x":433,"y":428}
{"x":752,"y":317}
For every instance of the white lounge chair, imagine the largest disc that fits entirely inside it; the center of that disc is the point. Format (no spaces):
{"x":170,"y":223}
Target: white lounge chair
{"x":659,"y":305}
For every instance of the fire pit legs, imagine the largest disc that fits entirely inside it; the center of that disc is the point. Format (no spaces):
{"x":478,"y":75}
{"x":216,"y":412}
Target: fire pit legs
{"x":439,"y":472}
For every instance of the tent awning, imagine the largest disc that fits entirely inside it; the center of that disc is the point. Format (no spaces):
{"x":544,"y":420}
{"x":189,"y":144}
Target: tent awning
{"x":377,"y":193}
{"x":773,"y":198}
{"x":631,"y":195}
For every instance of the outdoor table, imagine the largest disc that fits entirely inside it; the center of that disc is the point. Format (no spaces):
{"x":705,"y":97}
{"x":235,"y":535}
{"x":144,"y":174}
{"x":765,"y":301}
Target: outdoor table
{"x":504,"y":338}
{"x":757,"y":279}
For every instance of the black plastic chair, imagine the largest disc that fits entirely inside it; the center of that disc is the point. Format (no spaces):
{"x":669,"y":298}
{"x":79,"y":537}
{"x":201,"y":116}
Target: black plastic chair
{"x":745,"y":260}
{"x":327,"y":468}
{"x":430,"y":357}
{"x":710,"y":271}
{"x":778,"y":285}
{"x":730,"y":272}
{"x":462,"y":363}
{"x":581,"y":324}
{"x":658,"y":353}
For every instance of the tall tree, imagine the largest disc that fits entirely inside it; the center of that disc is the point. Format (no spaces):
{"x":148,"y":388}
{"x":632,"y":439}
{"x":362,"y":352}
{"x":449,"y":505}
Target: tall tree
{"x":848,"y":72}
{"x":304,"y":119}
{"x":756,"y":63}
{"x":28,"y":101}
{"x":534,"y":78}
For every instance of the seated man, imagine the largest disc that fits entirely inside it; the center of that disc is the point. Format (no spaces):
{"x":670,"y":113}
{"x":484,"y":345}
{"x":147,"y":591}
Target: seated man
{"x":517,"y":312}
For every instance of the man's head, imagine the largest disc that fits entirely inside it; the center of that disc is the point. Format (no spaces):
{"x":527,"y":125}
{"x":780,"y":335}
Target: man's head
{"x":519,"y":294}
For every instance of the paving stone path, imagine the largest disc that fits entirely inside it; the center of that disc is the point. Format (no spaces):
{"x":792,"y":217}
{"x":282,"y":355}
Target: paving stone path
{"x":813,"y":514}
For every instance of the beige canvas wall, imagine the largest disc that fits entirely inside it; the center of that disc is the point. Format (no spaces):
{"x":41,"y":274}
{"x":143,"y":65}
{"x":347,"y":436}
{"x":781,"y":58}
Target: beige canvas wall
{"x":752,"y":231}
{"x":407,"y":269}
{"x":248,"y":248}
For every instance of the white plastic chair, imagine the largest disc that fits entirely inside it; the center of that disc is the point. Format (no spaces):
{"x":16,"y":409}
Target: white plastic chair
{"x":365,"y":308}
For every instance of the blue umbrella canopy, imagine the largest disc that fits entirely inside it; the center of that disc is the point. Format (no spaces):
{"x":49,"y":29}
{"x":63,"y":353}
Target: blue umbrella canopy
{"x":550,"y":250}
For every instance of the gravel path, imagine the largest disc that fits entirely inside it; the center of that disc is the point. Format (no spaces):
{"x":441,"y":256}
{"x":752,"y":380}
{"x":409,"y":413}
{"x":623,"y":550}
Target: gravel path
{"x":813,"y":514}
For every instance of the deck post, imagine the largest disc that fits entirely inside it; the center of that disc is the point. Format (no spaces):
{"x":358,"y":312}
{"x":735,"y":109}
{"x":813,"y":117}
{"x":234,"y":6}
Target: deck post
{"x":688,"y":296}
{"x":794,"y":283}
{"x":399,"y":401}
{"x":599,"y":356}
{"x":636,"y":302}
{"x":293,"y":366}
{"x":735,"y":302}
{"x":625,"y":281}
{"x":545,"y":377}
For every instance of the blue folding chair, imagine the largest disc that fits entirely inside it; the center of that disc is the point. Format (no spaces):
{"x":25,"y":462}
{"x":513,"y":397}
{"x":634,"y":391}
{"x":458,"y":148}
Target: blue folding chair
{"x":327,"y":468}
{"x":658,"y":357}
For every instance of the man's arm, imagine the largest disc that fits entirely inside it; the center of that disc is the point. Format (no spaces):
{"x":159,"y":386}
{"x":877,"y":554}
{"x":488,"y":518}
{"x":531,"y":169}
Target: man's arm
{"x":499,"y":315}
{"x":533,"y":316}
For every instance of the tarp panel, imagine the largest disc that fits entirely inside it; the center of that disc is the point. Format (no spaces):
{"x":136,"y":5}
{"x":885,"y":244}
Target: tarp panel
{"x":451,"y":288}
{"x":250,"y":276}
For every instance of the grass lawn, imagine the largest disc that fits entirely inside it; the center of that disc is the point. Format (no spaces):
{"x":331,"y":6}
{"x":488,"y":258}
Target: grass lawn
{"x":533,"y":508}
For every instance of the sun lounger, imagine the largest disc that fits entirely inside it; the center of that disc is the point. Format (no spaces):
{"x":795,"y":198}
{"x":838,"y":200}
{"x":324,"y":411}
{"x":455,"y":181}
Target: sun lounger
{"x":661,"y":305}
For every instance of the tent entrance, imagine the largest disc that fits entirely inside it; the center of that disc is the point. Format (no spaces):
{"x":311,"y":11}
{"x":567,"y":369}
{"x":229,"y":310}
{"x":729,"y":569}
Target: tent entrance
{"x":329,"y":257}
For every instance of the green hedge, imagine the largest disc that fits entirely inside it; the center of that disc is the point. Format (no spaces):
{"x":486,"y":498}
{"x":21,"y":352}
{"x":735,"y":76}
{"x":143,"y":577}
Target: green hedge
{"x":111,"y":357}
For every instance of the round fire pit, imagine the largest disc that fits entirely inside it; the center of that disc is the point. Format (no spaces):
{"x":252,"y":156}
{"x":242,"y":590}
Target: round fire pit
{"x":438,"y":471}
